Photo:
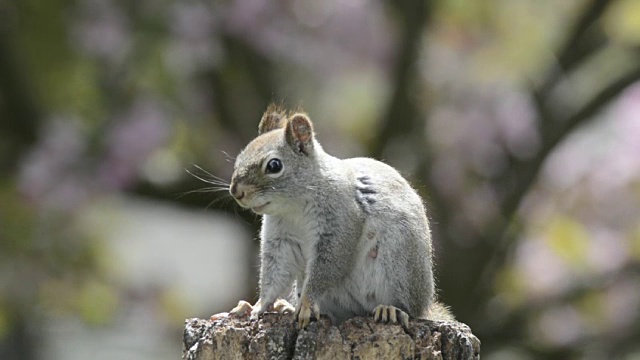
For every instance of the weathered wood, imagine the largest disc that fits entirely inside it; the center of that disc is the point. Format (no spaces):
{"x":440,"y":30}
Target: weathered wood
{"x":276,"y":336}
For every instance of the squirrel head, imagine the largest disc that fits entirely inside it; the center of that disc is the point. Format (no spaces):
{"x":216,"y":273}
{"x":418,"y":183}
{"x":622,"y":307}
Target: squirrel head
{"x":277,"y":167}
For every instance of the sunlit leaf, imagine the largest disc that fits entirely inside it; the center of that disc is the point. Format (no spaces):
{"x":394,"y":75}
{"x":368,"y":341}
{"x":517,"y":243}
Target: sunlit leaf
{"x":97,"y":303}
{"x":635,"y":244}
{"x":569,"y":239}
{"x":591,"y":307}
{"x":16,"y":219}
{"x":174,"y":305}
{"x":622,"y":22}
{"x":510,"y":285}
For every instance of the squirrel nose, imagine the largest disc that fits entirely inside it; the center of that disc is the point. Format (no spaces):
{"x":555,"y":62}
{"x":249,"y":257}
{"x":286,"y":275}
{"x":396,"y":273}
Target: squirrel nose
{"x":237,"y":191}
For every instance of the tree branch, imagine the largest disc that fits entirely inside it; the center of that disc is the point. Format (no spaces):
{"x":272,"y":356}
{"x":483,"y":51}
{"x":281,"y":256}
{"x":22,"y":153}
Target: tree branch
{"x":520,"y":177}
{"x":578,"y":46}
{"x":402,"y":115}
{"x":526,"y":172}
{"x":17,"y":104}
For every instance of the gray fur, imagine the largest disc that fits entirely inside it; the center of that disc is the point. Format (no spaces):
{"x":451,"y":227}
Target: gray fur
{"x":350,"y":234}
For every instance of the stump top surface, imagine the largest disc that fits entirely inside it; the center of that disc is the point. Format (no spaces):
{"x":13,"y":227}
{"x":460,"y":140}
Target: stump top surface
{"x":276,"y":336}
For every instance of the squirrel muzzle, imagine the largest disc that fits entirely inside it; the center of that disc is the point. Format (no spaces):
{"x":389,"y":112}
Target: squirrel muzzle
{"x":237,"y":190}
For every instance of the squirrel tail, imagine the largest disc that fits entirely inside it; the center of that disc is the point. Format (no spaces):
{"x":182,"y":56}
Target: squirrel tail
{"x":440,"y":311}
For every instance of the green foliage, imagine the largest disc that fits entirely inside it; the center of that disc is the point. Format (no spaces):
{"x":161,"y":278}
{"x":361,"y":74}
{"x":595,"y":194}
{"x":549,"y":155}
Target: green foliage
{"x":97,"y":302}
{"x":622,"y":22}
{"x":569,"y":239}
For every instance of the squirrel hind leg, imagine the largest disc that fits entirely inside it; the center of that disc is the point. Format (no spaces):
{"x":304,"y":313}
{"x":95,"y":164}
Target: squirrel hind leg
{"x":390,"y":314}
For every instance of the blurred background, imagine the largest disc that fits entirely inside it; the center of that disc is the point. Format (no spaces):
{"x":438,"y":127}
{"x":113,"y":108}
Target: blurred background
{"x":518,"y":121}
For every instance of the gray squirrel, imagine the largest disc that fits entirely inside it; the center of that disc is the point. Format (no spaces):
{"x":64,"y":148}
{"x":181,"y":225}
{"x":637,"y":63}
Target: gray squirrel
{"x":349,"y":237}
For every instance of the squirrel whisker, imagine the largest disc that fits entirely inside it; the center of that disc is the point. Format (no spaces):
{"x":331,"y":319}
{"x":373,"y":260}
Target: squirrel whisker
{"x":228,"y":157}
{"x":213,"y":181}
{"x":203,"y":190}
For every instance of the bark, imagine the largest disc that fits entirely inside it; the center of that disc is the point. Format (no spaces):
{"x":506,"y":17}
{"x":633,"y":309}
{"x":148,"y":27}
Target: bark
{"x":276,"y":336}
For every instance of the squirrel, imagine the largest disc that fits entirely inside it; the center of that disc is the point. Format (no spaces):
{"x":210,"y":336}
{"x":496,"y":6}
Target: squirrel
{"x":344,"y":238}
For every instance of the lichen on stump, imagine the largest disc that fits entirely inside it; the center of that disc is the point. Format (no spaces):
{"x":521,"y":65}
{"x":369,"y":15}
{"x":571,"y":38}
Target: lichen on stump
{"x":276,"y":336}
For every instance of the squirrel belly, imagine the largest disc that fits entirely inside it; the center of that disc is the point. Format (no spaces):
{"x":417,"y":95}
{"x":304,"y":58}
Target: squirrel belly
{"x":350,"y":237}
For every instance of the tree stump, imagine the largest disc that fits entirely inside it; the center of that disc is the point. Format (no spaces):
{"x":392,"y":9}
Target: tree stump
{"x":276,"y":336}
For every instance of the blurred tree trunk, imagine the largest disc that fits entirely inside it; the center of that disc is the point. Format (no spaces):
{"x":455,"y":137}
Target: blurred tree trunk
{"x":20,"y":342}
{"x":19,"y":112}
{"x":19,"y":124}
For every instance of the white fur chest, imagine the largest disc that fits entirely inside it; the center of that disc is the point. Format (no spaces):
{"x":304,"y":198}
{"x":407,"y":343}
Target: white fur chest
{"x":298,"y":227}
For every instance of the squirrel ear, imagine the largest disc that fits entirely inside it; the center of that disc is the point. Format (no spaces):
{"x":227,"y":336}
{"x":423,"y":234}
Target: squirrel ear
{"x":299,"y":133}
{"x":271,"y":120}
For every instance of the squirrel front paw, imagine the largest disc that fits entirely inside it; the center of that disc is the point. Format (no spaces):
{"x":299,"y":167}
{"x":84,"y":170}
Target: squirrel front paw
{"x":306,"y":308}
{"x":244,"y":309}
{"x":260,"y":308}
{"x":282,"y":306}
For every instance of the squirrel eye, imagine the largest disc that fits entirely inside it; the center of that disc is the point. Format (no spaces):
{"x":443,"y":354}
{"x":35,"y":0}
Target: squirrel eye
{"x":274,"y":166}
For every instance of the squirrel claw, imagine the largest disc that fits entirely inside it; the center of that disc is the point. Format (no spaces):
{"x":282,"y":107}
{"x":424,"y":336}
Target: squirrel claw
{"x":306,"y":308}
{"x":244,"y":309}
{"x":259,"y":308}
{"x":390,"y":314}
{"x":241,"y":310}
